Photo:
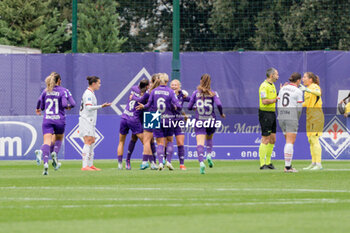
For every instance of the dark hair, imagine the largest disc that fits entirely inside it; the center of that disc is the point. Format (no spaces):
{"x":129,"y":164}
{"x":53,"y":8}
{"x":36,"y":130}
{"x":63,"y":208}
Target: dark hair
{"x":204,"y":85}
{"x":270,"y":71}
{"x":315,"y":78}
{"x":92,"y":79}
{"x":346,"y":97}
{"x":295,"y":77}
{"x":143,"y":85}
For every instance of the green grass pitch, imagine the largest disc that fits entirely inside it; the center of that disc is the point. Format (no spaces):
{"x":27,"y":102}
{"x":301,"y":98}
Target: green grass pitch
{"x":234,"y":196}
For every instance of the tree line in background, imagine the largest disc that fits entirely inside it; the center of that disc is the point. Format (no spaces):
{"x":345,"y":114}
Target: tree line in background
{"x":205,"y":25}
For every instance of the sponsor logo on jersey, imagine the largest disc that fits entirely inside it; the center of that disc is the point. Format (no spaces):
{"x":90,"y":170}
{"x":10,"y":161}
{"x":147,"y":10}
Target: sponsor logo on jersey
{"x":124,"y":94}
{"x":151,"y":120}
{"x":336,"y":137}
{"x":14,"y":138}
{"x":77,"y":142}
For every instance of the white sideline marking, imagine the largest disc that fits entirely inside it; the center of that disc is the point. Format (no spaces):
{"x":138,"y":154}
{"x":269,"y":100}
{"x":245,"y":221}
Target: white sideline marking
{"x":158,"y":199}
{"x":333,"y":169}
{"x":227,"y":146}
{"x":170,"y":189}
{"x":291,"y":202}
{"x":109,"y":199}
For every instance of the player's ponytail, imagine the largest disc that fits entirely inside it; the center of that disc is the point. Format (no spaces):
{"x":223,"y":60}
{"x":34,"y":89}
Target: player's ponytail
{"x":92,"y":79}
{"x":155,"y":77}
{"x":294,"y":77}
{"x":317,"y":81}
{"x":315,"y":78}
{"x":204,"y":85}
{"x":155,"y":84}
{"x":52,"y":80}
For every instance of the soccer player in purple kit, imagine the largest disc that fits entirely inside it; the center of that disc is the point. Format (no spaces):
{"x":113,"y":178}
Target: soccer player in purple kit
{"x":149,"y":149}
{"x":182,"y":96}
{"x":53,"y":101}
{"x":131,"y":119}
{"x":161,"y":99}
{"x":204,"y":98}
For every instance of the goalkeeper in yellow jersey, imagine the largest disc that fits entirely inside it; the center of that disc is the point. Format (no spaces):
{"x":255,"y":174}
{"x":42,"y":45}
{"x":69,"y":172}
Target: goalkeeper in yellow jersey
{"x":314,"y":117}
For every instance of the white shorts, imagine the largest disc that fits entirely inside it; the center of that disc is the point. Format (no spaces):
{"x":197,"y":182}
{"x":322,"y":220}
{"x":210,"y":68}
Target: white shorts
{"x":86,"y":128}
{"x":289,"y":126}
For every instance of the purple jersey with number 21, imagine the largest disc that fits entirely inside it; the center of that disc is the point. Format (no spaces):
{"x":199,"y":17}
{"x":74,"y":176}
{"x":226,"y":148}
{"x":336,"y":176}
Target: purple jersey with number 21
{"x":53,"y":103}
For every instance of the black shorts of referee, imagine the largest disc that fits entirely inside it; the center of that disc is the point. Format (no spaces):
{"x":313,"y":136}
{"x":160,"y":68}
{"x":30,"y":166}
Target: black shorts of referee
{"x":267,"y":122}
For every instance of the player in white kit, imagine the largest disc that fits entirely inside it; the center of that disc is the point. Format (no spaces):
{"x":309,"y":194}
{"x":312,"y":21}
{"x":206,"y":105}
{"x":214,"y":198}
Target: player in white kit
{"x":87,"y":122}
{"x":289,"y":106}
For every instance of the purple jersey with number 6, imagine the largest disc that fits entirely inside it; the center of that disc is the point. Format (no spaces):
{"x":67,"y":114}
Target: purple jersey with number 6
{"x":163,"y":99}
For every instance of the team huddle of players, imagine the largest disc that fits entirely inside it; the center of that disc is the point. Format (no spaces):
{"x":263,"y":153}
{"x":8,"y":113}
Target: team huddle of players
{"x":167,"y":102}
{"x":154,"y":96}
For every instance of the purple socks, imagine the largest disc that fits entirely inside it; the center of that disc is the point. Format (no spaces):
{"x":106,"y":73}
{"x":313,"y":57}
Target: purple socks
{"x":154,"y":152}
{"x":209,"y":143}
{"x":160,"y":152}
{"x":200,"y":153}
{"x":145,"y":157}
{"x":181,"y":151}
{"x":46,"y":151}
{"x":57,"y":146}
{"x":169,"y":151}
{"x":130,"y":149}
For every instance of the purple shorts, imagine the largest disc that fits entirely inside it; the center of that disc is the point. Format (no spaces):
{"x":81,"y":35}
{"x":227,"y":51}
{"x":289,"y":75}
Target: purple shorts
{"x":202,"y":130}
{"x":179,"y":131}
{"x":163,"y":132}
{"x":53,"y":128}
{"x":148,"y":130}
{"x":134,"y":126}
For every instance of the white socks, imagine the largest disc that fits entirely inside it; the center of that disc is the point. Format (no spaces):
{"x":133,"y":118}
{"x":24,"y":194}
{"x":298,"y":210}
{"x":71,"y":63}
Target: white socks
{"x":90,"y":158}
{"x":86,"y":154}
{"x":288,"y":154}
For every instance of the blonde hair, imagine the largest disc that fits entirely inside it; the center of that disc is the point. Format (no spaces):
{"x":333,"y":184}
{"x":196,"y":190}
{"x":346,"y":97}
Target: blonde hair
{"x":176,"y":80}
{"x":52,"y":80}
{"x":204,"y":85}
{"x":164,"y":78}
{"x":155,"y":84}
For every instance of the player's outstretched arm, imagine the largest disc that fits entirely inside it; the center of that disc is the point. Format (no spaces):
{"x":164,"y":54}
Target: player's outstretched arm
{"x":314,"y":92}
{"x":148,"y":105}
{"x":106,"y":105}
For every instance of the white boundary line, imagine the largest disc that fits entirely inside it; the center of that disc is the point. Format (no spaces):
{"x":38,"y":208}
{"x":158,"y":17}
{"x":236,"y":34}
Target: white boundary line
{"x":172,"y":189}
{"x":290,"y":202}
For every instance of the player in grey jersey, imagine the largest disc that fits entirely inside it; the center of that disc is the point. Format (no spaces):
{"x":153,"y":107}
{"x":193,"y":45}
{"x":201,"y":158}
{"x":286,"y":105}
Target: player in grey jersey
{"x":289,"y":107}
